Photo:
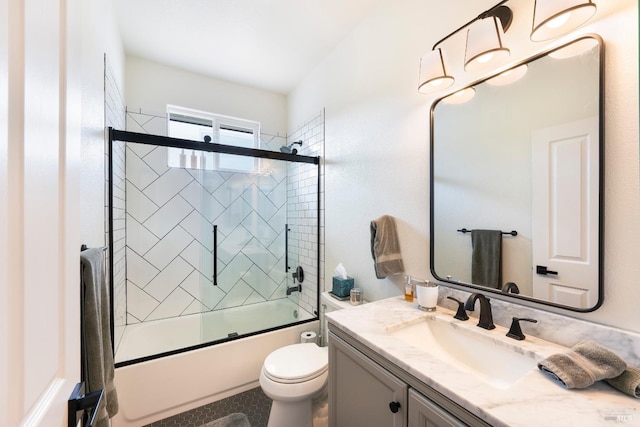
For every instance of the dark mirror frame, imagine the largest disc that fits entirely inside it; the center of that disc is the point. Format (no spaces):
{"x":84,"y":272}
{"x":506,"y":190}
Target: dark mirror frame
{"x":517,"y":297}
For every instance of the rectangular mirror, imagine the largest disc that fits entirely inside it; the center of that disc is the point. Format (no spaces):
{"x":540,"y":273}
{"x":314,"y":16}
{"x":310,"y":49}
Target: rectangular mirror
{"x":516,"y":180}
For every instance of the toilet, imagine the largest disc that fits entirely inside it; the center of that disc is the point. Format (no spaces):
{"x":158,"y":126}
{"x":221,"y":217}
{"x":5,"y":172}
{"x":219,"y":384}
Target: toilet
{"x":293,"y":375}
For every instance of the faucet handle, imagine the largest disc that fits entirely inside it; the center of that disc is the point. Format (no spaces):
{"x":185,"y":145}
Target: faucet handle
{"x":461,"y":314}
{"x":515,"y":331}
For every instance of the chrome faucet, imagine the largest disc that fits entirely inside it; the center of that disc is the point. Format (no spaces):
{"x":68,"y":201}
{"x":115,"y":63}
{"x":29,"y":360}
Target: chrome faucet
{"x":486,"y":318}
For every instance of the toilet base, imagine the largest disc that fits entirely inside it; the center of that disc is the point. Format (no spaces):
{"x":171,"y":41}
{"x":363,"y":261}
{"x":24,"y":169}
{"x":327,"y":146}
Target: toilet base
{"x":291,"y":414}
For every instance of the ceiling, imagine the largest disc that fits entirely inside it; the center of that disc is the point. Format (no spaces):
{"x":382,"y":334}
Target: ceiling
{"x":269,"y":44}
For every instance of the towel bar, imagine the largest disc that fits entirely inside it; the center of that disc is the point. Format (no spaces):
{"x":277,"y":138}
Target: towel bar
{"x":83,"y":405}
{"x":513,"y":232}
{"x":85,"y":247}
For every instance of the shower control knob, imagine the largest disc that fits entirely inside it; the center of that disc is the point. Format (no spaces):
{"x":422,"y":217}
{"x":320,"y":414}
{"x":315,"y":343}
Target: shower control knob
{"x":299,"y":274}
{"x":394,"y":406}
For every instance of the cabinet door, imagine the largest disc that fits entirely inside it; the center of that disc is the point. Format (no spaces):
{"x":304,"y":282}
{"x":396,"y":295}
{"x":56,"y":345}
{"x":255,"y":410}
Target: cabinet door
{"x":361,"y":392}
{"x":425,"y":413}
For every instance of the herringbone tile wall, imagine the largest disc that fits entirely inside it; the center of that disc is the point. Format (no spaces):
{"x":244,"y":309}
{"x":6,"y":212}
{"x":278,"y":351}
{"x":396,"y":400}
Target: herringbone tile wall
{"x":170,"y":217}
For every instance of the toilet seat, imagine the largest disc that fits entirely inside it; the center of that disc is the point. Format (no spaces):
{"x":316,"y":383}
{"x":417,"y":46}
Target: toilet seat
{"x":296,"y":363}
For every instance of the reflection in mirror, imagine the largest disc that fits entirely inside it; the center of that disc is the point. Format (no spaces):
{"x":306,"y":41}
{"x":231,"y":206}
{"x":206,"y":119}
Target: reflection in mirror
{"x":523,"y":155}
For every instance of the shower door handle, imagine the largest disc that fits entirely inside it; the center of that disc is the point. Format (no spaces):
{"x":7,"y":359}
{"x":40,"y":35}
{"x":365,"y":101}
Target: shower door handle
{"x":286,"y":247}
{"x":215,"y":255}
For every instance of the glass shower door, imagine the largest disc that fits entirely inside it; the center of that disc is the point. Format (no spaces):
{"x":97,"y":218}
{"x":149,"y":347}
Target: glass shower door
{"x":248,"y":254}
{"x":207,"y":246}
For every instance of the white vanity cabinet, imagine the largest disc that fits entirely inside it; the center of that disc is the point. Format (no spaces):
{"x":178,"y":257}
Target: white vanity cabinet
{"x":366,"y":390}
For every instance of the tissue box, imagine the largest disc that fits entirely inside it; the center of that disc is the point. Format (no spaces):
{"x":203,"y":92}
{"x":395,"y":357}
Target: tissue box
{"x":341,"y":287}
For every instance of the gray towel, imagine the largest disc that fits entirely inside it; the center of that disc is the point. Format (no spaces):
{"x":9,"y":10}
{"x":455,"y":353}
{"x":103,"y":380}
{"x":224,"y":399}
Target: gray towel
{"x":628,"y":382}
{"x":385,"y":247}
{"x":96,"y":331}
{"x":486,"y":258}
{"x":586,"y":363}
{"x":233,"y":420}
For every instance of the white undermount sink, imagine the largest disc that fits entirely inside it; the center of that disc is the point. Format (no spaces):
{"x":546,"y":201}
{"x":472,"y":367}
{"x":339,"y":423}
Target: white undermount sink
{"x":469,"y":348}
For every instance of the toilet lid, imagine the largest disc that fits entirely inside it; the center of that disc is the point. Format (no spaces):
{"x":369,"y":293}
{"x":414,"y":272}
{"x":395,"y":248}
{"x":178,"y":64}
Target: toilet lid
{"x":297,"y":362}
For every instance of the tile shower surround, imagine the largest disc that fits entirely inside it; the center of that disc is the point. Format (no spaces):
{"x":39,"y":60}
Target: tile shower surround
{"x":166,"y":277}
{"x":302,"y":210}
{"x":114,"y":111}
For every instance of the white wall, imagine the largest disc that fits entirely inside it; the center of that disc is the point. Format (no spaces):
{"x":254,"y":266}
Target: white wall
{"x":99,"y":37}
{"x":151,"y":86}
{"x":377,"y":125}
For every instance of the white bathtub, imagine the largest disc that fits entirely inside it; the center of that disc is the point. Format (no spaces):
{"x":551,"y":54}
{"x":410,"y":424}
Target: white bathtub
{"x":159,"y":388}
{"x":160,"y":336}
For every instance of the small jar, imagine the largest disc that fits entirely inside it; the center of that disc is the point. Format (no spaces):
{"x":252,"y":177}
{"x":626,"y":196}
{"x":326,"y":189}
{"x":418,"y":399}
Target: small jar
{"x":356,"y":296}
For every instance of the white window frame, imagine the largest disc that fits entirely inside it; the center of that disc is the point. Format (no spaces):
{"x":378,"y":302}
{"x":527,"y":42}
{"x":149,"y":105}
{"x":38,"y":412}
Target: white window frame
{"x":218,"y":122}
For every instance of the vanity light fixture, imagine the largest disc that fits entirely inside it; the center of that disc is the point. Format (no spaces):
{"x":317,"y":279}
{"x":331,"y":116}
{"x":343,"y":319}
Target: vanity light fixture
{"x":574,"y":49}
{"x":510,"y":76}
{"x":553,"y":18}
{"x":433,"y":72}
{"x":485,"y":44}
{"x":460,"y":97}
{"x":485,"y":47}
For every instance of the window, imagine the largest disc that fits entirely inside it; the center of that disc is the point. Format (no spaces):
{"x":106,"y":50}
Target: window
{"x":198,"y":125}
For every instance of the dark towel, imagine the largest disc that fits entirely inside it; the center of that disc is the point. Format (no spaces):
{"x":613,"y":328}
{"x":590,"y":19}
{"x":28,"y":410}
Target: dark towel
{"x":385,"y":247}
{"x":628,"y":382}
{"x":586,"y":363}
{"x":96,"y":331}
{"x":486,"y":258}
{"x":233,"y":420}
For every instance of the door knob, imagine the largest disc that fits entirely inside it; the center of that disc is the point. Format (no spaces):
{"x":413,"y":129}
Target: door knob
{"x":542,"y":269}
{"x":394,"y":406}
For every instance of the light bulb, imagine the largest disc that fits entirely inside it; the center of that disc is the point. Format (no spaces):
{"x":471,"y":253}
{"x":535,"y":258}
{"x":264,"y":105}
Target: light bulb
{"x":509,"y":76}
{"x":483,"y":59}
{"x":558,"y":21}
{"x":460,"y":97}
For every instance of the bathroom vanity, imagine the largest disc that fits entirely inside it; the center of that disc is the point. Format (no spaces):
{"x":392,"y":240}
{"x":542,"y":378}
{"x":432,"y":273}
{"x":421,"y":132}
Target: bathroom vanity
{"x":391,"y":364}
{"x":368,"y":390}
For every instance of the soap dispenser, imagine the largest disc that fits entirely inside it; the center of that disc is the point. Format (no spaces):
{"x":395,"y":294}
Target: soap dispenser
{"x":408,"y":290}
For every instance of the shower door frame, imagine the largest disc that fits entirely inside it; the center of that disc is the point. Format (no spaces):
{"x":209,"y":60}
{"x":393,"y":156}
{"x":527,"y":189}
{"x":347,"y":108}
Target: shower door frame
{"x":164,"y":141}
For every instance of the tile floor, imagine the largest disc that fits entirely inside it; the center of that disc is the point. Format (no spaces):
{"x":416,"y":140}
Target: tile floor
{"x":253,"y":403}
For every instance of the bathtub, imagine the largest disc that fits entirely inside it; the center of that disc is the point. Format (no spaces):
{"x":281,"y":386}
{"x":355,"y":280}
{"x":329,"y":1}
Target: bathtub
{"x":159,"y":336}
{"x":152,"y":390}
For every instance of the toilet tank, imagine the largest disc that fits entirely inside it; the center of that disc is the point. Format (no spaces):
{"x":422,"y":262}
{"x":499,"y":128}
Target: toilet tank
{"x":328,"y":304}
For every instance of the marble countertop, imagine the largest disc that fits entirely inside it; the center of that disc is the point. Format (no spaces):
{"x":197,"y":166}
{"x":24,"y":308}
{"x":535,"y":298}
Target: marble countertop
{"x":535,"y":399}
